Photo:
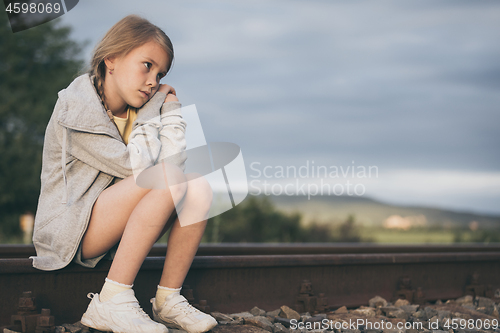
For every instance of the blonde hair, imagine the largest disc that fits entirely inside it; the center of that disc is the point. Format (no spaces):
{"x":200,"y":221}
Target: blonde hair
{"x":130,"y":32}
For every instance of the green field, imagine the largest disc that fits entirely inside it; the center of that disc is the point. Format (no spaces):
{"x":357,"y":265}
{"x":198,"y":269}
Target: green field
{"x":426,"y":236}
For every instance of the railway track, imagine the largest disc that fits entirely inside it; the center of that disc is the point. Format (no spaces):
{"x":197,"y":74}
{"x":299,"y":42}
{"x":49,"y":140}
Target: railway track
{"x":236,"y":277}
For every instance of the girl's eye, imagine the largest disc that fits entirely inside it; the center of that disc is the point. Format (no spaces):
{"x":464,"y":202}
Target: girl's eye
{"x":148,"y":65}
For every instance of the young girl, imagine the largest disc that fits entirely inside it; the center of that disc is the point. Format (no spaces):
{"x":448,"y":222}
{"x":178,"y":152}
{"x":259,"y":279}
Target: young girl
{"x":90,"y":204}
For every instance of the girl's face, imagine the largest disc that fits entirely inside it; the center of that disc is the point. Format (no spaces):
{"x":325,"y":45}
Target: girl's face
{"x":135,"y":77}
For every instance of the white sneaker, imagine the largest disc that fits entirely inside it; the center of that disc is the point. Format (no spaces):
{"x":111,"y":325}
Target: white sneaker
{"x":120,"y":314}
{"x":176,"y":312}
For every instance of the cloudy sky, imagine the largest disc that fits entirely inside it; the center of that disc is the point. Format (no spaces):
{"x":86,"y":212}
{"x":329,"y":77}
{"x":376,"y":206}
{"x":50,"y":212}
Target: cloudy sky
{"x":409,"y":87}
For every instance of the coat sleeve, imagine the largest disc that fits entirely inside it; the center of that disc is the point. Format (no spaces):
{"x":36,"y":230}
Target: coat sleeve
{"x":112,"y":156}
{"x":172,"y":135}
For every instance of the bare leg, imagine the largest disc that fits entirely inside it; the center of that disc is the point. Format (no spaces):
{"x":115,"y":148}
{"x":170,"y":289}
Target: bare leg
{"x":135,"y":215}
{"x":170,"y":307}
{"x":143,"y":228}
{"x":183,"y":241}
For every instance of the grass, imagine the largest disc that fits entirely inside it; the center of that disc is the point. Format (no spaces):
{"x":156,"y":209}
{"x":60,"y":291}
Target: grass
{"x":411,"y":236}
{"x":426,"y":235}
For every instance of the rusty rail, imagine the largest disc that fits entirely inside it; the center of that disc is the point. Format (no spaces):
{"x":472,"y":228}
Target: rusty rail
{"x":235,"y":277}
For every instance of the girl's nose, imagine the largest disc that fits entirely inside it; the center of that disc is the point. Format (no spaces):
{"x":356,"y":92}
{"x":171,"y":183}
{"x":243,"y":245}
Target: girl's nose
{"x":152,"y":81}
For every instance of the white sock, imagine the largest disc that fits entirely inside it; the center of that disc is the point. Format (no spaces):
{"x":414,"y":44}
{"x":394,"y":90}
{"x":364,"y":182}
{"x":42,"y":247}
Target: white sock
{"x":162,"y":293}
{"x":112,"y":288}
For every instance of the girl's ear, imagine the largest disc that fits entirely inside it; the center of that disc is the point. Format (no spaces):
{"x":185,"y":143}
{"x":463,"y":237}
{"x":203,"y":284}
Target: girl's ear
{"x":110,"y":62}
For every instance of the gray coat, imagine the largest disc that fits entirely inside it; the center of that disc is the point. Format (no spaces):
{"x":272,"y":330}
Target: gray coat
{"x":83,"y":154}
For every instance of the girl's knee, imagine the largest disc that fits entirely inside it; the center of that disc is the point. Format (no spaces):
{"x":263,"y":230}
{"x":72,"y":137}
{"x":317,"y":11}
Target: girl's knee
{"x":173,"y":182}
{"x":171,"y":195}
{"x":178,"y":191}
{"x":199,"y":190}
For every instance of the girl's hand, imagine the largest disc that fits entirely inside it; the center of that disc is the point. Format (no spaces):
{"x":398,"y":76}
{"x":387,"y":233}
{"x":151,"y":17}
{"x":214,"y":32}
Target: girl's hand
{"x":170,"y":91}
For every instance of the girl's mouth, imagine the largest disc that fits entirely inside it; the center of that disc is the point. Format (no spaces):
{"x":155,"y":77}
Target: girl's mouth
{"x":145,"y":94}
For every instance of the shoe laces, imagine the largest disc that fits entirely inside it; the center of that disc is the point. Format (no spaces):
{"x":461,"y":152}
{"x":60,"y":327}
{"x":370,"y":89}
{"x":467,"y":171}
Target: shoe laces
{"x":185,"y":307}
{"x":137,"y":309}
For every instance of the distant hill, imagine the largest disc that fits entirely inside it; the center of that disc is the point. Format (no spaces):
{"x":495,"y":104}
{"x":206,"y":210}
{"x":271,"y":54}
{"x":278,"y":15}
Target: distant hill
{"x":370,"y":212}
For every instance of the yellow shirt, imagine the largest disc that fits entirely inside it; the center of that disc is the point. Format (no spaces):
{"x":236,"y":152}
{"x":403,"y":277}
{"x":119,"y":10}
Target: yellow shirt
{"x":125,"y":124}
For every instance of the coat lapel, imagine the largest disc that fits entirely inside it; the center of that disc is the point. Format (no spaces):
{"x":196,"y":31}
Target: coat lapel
{"x":82,"y":109}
